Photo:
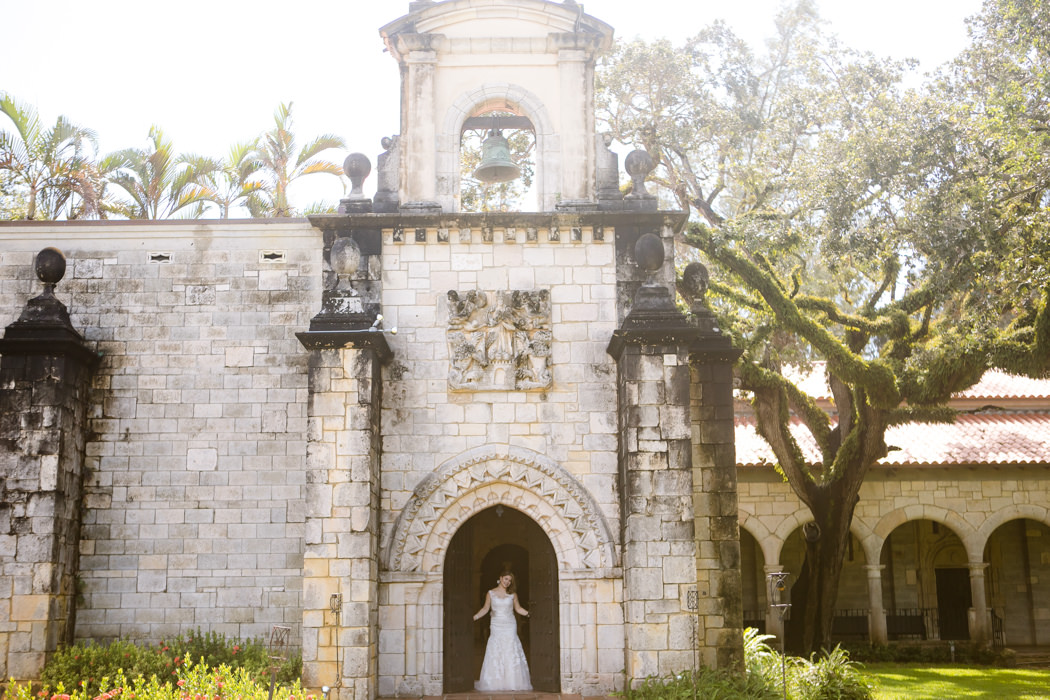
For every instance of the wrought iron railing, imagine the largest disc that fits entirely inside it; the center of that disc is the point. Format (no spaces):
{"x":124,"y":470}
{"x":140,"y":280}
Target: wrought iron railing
{"x":756,"y":619}
{"x":912,"y":623}
{"x":998,"y":635}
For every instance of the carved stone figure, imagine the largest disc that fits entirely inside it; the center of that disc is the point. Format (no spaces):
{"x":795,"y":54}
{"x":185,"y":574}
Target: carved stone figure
{"x":499,"y":345}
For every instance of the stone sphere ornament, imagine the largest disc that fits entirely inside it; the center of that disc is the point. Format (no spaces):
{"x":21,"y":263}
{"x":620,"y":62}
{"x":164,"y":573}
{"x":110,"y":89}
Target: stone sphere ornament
{"x":649,"y":253}
{"x":695,"y":279}
{"x":357,"y":167}
{"x":638,"y":165}
{"x":50,"y":266}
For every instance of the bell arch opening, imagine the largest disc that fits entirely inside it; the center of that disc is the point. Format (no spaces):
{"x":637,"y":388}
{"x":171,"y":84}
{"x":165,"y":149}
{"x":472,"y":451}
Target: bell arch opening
{"x":490,"y":542}
{"x":526,"y":108}
{"x":497,"y":149}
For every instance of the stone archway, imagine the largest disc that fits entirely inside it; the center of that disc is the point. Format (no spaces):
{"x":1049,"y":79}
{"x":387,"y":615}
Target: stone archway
{"x":500,"y":475}
{"x":494,"y":540}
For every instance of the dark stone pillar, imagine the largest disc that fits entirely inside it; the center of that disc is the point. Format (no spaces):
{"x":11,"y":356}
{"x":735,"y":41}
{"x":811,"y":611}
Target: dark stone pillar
{"x":45,"y":374}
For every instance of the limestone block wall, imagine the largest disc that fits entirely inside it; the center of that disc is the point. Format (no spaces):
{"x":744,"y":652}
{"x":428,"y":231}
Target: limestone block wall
{"x":194,"y":510}
{"x":549,"y":452}
{"x":573,"y":423}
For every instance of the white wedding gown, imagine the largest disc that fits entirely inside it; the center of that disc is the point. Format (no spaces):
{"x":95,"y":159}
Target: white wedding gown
{"x":504,"y":667}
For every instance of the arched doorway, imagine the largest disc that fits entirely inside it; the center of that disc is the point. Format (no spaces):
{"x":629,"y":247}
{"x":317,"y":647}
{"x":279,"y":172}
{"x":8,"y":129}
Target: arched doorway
{"x":480,"y":549}
{"x":1018,"y":554}
{"x":753,"y":581}
{"x":925,"y":582}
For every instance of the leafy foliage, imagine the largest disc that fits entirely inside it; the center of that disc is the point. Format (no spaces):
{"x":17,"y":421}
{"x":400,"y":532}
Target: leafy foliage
{"x":159,"y":181}
{"x":831,"y":675}
{"x":281,"y":162}
{"x":57,"y":173}
{"x":898,"y":236}
{"x":85,"y":665}
{"x":194,"y":682}
{"x":49,"y":168}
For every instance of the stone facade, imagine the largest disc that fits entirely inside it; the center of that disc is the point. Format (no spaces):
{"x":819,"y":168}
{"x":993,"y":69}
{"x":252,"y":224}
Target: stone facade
{"x":247,"y":465}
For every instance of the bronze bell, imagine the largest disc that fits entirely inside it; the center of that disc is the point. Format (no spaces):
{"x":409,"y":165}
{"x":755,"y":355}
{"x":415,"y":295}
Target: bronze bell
{"x":496,"y":165}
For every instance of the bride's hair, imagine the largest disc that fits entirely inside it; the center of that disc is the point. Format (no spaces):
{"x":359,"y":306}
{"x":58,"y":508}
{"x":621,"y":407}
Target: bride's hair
{"x":513,"y":587}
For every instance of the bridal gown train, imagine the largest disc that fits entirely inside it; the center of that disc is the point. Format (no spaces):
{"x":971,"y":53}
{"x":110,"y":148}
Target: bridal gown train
{"x":504,"y":667}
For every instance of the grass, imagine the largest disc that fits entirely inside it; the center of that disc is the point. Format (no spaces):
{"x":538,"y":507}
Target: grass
{"x":896,"y":682}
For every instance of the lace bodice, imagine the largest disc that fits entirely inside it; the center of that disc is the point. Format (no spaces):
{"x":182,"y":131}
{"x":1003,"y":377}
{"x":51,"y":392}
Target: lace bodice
{"x":502,"y":608}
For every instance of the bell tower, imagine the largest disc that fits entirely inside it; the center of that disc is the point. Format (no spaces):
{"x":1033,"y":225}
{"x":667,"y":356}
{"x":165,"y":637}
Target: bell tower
{"x":462,"y":59}
{"x":465,"y":364}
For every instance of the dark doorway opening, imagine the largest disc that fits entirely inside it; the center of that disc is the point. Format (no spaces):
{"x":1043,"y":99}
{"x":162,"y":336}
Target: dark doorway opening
{"x":491,"y":541}
{"x":953,"y":602}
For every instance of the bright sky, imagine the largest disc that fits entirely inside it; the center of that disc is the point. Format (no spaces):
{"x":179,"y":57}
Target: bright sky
{"x":211,"y":73}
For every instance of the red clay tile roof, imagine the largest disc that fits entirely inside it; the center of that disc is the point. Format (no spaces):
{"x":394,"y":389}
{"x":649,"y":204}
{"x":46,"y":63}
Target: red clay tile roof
{"x":994,"y":439}
{"x":995,"y":384}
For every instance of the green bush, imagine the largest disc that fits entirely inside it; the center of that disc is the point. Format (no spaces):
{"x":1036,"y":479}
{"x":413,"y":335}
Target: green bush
{"x":88,"y":663}
{"x":931,"y":653}
{"x":832,"y":676}
{"x":706,"y":684}
{"x":191,"y":682}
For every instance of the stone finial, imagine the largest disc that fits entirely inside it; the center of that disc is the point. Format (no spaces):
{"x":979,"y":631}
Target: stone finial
{"x":357,"y":167}
{"x":345,"y":259}
{"x":46,"y":309}
{"x":649,"y":254}
{"x":50,"y":268}
{"x":638,"y":165}
{"x":695,"y":279}
{"x":694,"y":283}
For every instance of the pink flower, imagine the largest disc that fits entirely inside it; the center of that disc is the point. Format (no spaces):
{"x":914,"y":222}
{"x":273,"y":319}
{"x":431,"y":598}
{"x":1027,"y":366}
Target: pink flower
{"x":181,"y":683}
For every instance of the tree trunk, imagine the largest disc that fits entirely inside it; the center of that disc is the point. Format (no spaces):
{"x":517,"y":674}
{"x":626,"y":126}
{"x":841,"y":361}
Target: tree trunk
{"x":815,"y":593}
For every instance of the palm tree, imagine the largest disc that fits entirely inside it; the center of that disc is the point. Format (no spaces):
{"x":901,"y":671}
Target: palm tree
{"x":46,"y":166}
{"x":159,"y":182}
{"x":282,"y":164}
{"x":236,"y":178}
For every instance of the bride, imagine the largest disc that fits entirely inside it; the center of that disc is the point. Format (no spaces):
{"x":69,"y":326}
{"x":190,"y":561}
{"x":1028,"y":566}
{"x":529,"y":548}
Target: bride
{"x":504,"y":667}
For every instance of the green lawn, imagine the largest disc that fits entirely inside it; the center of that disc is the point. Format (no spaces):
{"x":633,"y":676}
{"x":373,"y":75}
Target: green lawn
{"x":898,"y":682}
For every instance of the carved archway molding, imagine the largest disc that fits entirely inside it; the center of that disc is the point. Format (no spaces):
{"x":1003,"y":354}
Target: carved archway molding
{"x":491,"y":475}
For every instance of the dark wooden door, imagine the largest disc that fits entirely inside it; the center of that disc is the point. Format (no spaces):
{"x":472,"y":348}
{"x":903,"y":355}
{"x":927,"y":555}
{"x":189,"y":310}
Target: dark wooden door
{"x":953,"y":602}
{"x":459,"y":627}
{"x":544,"y":636}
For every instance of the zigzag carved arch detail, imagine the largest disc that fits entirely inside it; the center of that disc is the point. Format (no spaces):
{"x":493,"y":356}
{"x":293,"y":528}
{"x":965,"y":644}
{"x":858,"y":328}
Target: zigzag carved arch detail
{"x":489,"y":475}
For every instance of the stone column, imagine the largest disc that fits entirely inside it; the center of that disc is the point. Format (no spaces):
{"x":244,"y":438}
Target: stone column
{"x":341,"y":554}
{"x":678,"y":503}
{"x":577,"y":157}
{"x":45,"y":373}
{"x":877,"y":632}
{"x":656,"y":488}
{"x":418,"y":171}
{"x":979,"y":623}
{"x":719,"y":586}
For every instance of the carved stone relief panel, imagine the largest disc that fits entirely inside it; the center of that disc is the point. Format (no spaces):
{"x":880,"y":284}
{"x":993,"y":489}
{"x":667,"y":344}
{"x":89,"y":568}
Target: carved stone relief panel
{"x":499,"y":340}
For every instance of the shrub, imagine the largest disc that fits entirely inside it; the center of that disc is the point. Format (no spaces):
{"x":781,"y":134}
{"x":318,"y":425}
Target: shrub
{"x":833,"y":676}
{"x":705,"y":683}
{"x":89,"y":663}
{"x":192,"y":682}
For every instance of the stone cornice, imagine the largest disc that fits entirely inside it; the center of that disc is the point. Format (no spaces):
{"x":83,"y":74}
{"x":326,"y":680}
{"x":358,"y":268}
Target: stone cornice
{"x":350,"y":222}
